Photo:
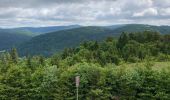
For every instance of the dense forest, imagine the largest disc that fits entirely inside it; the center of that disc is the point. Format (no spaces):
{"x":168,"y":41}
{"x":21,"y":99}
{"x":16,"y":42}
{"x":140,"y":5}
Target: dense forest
{"x":105,"y":70}
{"x":11,"y":39}
{"x":59,"y":40}
{"x":35,"y":40}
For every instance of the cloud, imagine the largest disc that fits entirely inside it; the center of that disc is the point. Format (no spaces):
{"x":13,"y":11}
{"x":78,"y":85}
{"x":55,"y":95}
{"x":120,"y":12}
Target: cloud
{"x":165,"y":11}
{"x":146,"y":12}
{"x":162,"y":3}
{"x":17,"y":13}
{"x":43,"y":3}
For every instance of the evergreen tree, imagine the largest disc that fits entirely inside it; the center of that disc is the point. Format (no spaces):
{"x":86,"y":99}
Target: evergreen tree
{"x":29,"y":62}
{"x":5,"y":62}
{"x":123,"y":39}
{"x":41,"y":60}
{"x":55,"y":60}
{"x":14,"y":55}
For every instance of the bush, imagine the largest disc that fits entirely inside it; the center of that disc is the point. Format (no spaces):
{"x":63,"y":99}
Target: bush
{"x":163,"y":57}
{"x":133,"y":59}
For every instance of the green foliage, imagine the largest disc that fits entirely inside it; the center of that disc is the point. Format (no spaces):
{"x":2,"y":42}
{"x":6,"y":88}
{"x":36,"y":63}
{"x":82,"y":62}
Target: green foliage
{"x":42,"y":60}
{"x":56,"y":41}
{"x":9,"y":38}
{"x":29,"y":63}
{"x":163,"y":57}
{"x":47,"y":44}
{"x":14,"y":55}
{"x":110,"y":83}
{"x":123,"y":39}
{"x":100,"y":66}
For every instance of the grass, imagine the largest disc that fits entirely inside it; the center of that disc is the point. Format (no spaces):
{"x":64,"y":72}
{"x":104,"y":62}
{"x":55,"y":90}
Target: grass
{"x":155,"y":65}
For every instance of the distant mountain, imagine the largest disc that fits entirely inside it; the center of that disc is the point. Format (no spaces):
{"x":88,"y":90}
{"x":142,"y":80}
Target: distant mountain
{"x":49,"y":43}
{"x":34,"y":31}
{"x":141,"y":28}
{"x":112,"y":27}
{"x":16,"y":31}
{"x":10,"y":39}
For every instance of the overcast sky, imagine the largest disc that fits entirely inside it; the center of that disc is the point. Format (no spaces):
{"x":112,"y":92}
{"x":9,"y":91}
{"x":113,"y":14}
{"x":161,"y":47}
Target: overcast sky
{"x":20,"y":13}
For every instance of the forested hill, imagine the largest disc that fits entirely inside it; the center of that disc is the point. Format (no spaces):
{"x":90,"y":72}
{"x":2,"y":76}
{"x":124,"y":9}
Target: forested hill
{"x":141,"y":28}
{"x":47,"y":44}
{"x":11,"y":39}
{"x":136,"y":66}
{"x":34,"y":31}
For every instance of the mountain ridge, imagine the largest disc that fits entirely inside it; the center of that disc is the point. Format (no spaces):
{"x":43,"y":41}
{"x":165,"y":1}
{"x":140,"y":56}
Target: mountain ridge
{"x":50,"y":43}
{"x":67,"y":36}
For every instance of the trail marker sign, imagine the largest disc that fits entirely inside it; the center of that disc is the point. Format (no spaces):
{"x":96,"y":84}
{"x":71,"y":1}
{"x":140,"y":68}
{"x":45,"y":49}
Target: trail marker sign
{"x":77,"y":81}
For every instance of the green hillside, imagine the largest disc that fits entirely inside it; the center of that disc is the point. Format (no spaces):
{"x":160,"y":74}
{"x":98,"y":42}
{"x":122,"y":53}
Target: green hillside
{"x":10,"y":39}
{"x":47,"y":44}
{"x":34,"y":31}
{"x":141,"y":28}
{"x":136,"y":66}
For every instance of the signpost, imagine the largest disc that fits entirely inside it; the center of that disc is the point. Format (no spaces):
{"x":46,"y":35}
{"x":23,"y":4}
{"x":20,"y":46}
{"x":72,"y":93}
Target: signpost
{"x":77,"y":85}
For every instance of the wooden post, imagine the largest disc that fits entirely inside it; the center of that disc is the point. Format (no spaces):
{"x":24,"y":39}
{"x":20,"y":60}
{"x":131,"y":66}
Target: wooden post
{"x":77,"y":86}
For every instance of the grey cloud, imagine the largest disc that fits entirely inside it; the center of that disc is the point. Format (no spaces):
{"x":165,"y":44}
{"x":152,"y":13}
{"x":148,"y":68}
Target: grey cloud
{"x":85,"y":12}
{"x":43,"y":3}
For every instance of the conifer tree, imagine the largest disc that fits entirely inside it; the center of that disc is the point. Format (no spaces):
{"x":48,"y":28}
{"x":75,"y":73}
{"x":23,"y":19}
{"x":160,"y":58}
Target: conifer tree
{"x":29,"y":62}
{"x":41,"y":60}
{"x":123,"y":39}
{"x":14,"y":55}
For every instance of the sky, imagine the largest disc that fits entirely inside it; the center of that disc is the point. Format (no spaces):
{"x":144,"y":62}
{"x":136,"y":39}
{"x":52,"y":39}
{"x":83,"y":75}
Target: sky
{"x":36,"y":13}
